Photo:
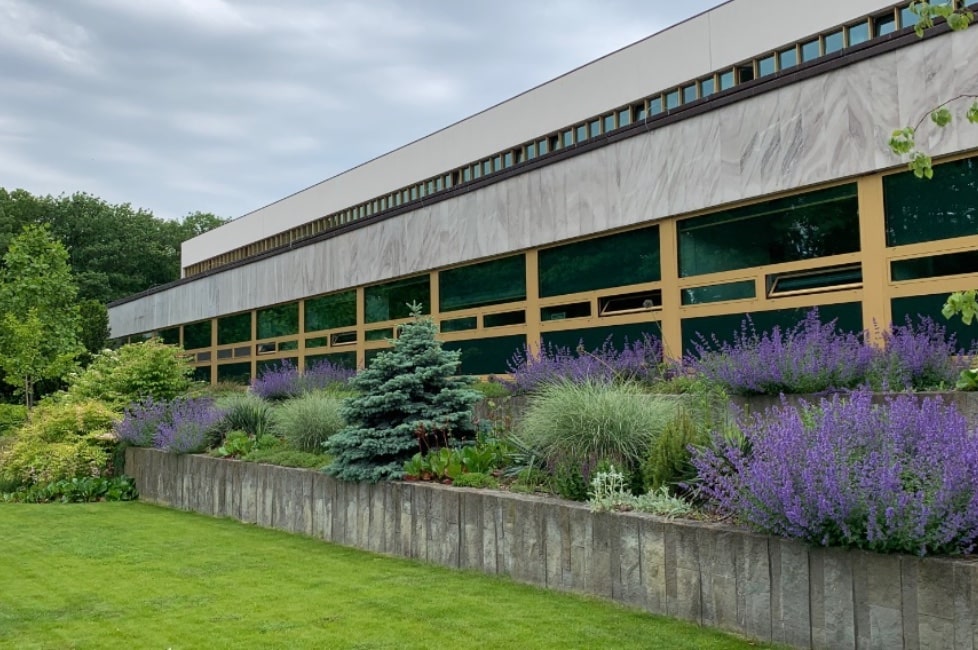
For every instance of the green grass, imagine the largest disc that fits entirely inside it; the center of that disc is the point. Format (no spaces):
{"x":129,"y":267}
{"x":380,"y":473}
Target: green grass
{"x":130,"y":575}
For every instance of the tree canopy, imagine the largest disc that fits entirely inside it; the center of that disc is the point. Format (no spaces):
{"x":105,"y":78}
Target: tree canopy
{"x":113,"y":250}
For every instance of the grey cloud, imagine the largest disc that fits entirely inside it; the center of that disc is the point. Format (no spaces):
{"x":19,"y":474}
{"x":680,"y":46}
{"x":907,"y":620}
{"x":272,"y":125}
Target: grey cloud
{"x":182,"y":105}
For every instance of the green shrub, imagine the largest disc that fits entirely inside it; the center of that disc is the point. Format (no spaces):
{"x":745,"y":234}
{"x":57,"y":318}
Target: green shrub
{"x":569,"y":481}
{"x":66,"y":421}
{"x":12,"y":417}
{"x":288,"y":458}
{"x":476,"y":480}
{"x":76,"y":490}
{"x":132,"y":373}
{"x":245,"y":412}
{"x":307,"y":421}
{"x":32,"y":461}
{"x":581,"y":424}
{"x":492,"y":389}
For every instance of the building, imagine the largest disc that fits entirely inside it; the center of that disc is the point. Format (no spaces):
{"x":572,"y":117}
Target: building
{"x":750,"y":173}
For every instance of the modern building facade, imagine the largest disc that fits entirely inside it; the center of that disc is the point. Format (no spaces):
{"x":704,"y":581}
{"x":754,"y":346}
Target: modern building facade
{"x":724,"y":166}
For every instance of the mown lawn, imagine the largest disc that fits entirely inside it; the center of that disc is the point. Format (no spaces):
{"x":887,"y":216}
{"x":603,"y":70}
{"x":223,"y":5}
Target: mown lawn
{"x":131,"y":575}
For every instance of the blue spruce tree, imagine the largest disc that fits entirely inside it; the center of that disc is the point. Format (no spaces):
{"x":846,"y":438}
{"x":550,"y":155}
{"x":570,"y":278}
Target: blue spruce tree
{"x":409,"y":400}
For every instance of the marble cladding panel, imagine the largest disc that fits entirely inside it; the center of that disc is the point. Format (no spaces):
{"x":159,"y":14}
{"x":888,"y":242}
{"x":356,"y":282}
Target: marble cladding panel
{"x":832,"y":126}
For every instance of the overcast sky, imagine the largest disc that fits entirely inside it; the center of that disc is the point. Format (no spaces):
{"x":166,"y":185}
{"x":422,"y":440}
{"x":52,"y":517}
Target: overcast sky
{"x":224,"y":106}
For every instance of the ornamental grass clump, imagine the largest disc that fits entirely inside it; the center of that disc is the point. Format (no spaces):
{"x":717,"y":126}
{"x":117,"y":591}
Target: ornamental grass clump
{"x":306,"y":422}
{"x":568,"y":423}
{"x":640,"y":360}
{"x":900,"y":476}
{"x":810,"y":357}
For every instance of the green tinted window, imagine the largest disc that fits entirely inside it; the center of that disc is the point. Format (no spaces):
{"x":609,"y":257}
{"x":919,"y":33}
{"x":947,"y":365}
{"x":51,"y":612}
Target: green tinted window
{"x":486,"y":283}
{"x":719,"y":292}
{"x":919,"y":210}
{"x":317,"y":342}
{"x":592,"y":338}
{"x":379,"y":335}
{"x":234,"y":373}
{"x":613,"y":261}
{"x":390,"y":301}
{"x":278,"y":321}
{"x":935,"y":266}
{"x":344,"y":359}
{"x":505,"y":318}
{"x":170,"y":336}
{"x":202,"y":373}
{"x":486,"y":356}
{"x":965,"y":335}
{"x":459,"y":324}
{"x":197,"y":335}
{"x":329,"y":312}
{"x":234,"y":329}
{"x":794,"y":228}
{"x":849,"y":315}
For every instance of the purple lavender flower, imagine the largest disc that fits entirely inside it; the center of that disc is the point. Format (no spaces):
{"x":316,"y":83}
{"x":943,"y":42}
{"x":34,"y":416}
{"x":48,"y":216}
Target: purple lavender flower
{"x":640,"y":360}
{"x":283,"y":381}
{"x":189,"y":426}
{"x":810,"y":357}
{"x":141,"y":421}
{"x":916,"y":357}
{"x":901,"y":476}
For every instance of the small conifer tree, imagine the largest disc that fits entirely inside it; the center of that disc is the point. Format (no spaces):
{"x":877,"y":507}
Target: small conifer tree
{"x":409,"y":401}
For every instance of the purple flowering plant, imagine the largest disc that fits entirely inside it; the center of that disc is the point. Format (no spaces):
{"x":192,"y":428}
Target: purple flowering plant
{"x":181,"y":426}
{"x":189,"y":426}
{"x":809,"y":357}
{"x":140,"y":422}
{"x":283,"y":381}
{"x":814,"y":357}
{"x":640,"y":360}
{"x":897,"y":476}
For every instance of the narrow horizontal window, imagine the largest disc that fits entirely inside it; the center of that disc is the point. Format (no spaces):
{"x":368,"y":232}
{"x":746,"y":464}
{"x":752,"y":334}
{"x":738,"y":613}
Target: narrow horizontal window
{"x":203,"y":356}
{"x":317,"y":342}
{"x":834,"y":278}
{"x":225,"y":354}
{"x":563,"y":312}
{"x":343,"y":338}
{"x":502,"y":319}
{"x":379,"y":335}
{"x":242,"y":352}
{"x":719,"y":292}
{"x":630,"y":303}
{"x":264,"y":348}
{"x":459,"y":324}
{"x":288,"y":345}
{"x":935,"y":266}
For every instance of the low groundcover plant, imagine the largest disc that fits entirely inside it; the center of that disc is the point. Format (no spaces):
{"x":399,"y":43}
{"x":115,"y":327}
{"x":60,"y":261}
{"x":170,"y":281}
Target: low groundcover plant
{"x":899,"y":476}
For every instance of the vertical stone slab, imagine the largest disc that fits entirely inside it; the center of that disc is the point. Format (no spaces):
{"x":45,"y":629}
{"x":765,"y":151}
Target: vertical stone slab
{"x":599,"y":575}
{"x":392,"y":518}
{"x":908,"y":601}
{"x":840,"y":619}
{"x":683,"y":587}
{"x":470,"y":539}
{"x":528,"y":547}
{"x":406,"y":542}
{"x":556,"y":525}
{"x":754,"y":586}
{"x":375,"y":522}
{"x":935,"y":603}
{"x":339,"y":511}
{"x":361,"y":512}
{"x":627,"y":586}
{"x":248,"y":504}
{"x":505,"y":534}
{"x":876,"y":579}
{"x":219,"y":476}
{"x":184,"y":482}
{"x":790,"y":593}
{"x":718,"y":551}
{"x":451,"y":517}
{"x":965,"y":600}
{"x":491,"y":506}
{"x":266,"y":496}
{"x":581,"y":525}
{"x":652,"y":547}
{"x":323,"y":496}
{"x":421,"y":513}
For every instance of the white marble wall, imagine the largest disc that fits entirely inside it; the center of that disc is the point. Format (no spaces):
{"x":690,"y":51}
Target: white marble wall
{"x":833,"y":126}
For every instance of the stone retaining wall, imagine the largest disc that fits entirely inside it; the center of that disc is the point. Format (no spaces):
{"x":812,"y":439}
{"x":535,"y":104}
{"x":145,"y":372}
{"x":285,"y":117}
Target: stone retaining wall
{"x":719,"y":576}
